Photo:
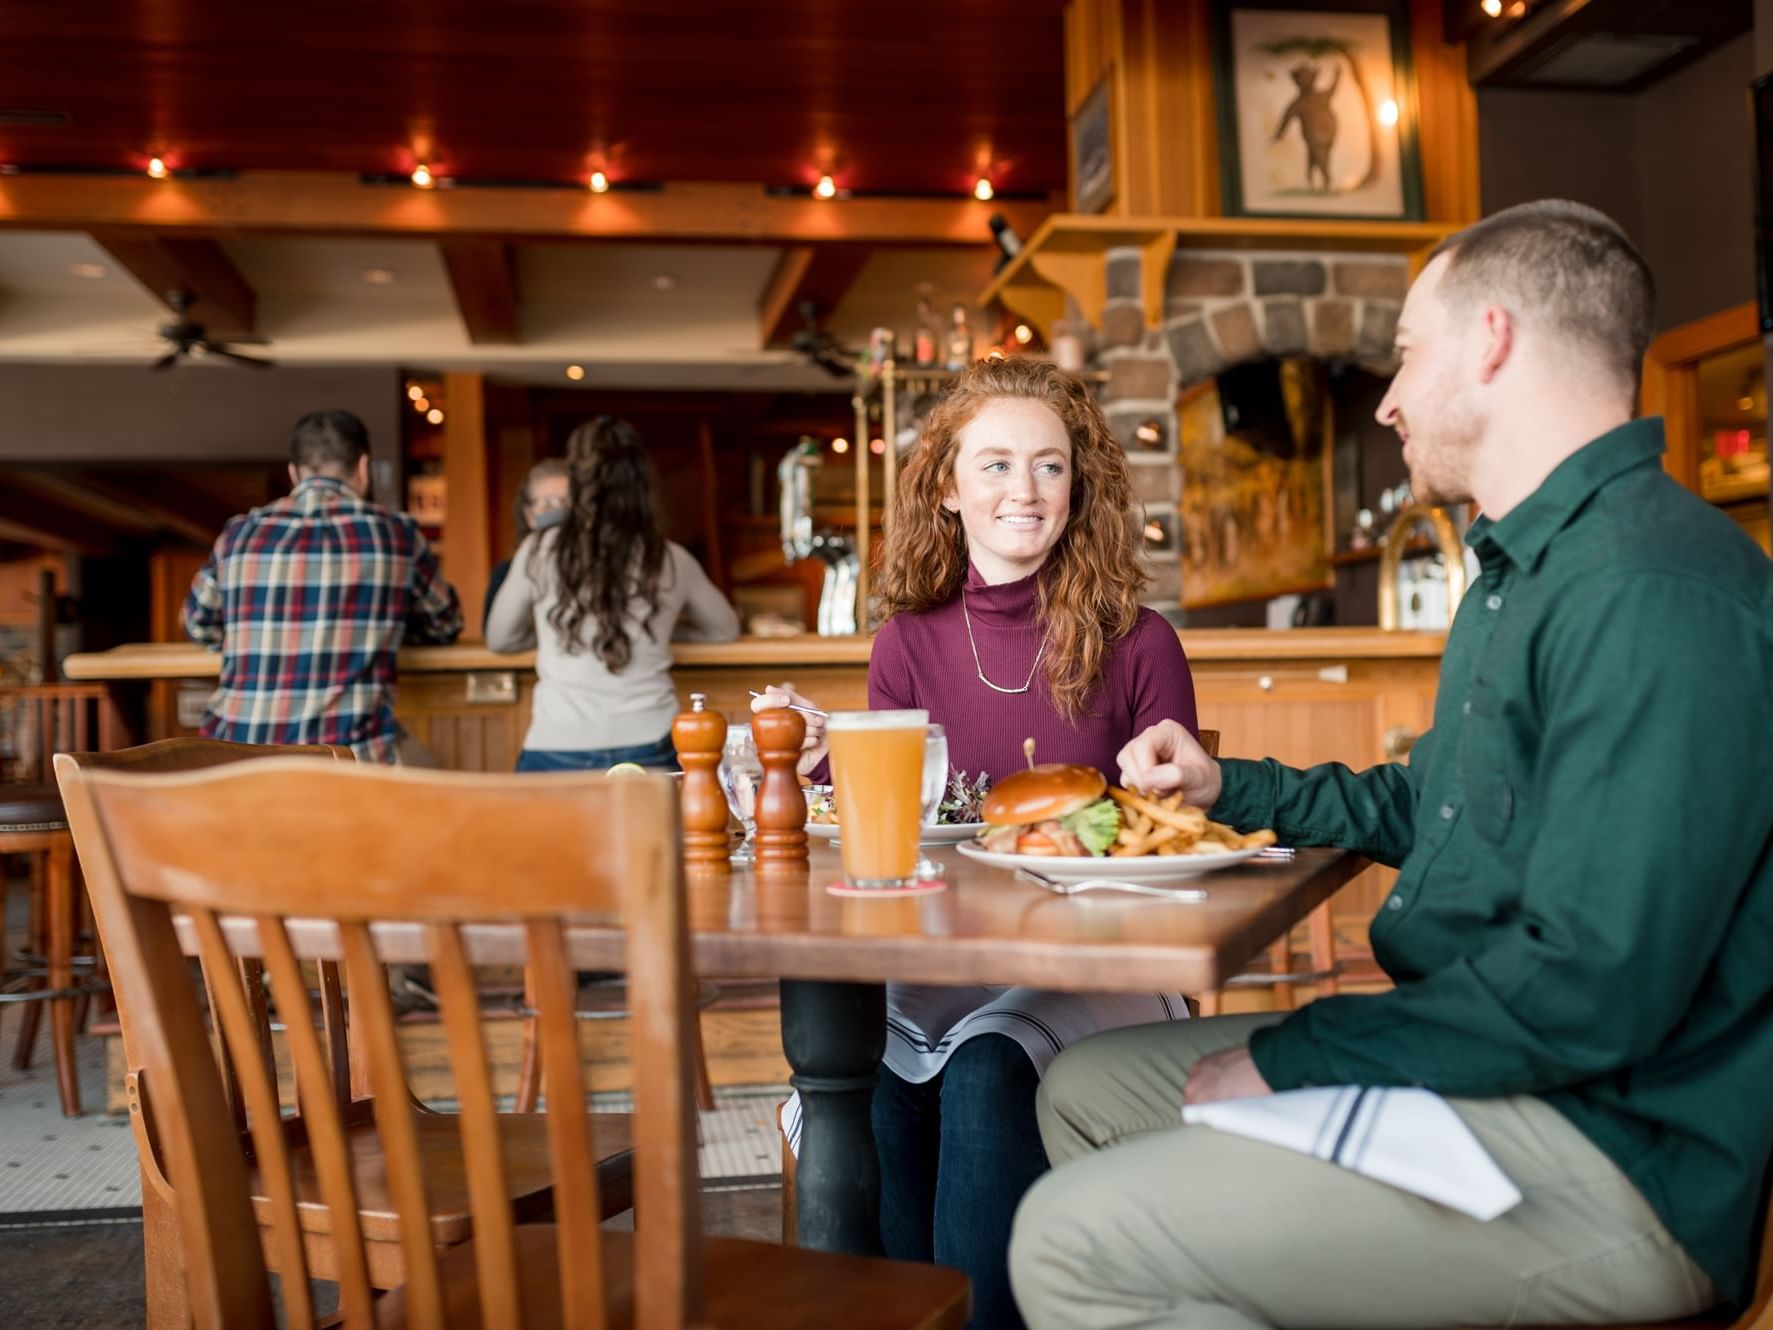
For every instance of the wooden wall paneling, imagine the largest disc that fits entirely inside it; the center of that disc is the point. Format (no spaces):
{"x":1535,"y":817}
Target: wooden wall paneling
{"x":515,"y":447}
{"x":1446,"y":120}
{"x":467,"y":518}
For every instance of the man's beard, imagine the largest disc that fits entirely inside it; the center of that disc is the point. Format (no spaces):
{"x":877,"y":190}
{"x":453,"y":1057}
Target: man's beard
{"x":1441,"y":452}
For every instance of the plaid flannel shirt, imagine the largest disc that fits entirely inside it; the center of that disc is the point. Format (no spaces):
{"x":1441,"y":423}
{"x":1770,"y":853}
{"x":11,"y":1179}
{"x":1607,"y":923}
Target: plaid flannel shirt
{"x":308,"y":599}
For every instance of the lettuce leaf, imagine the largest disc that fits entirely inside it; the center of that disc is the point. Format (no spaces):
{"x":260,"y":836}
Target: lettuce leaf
{"x":1096,"y":825}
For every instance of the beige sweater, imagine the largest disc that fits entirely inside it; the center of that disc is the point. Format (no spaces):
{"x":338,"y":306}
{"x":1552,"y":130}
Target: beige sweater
{"x":579,"y":703}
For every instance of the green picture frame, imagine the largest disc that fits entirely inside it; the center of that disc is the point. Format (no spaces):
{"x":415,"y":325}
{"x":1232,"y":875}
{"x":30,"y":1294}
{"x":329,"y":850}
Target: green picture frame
{"x":1293,"y":79}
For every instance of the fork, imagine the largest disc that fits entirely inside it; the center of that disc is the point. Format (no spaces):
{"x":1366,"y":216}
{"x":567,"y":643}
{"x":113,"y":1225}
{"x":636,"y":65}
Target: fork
{"x":1186,"y":894}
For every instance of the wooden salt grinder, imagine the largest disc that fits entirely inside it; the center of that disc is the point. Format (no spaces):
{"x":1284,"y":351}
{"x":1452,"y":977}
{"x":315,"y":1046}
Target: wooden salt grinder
{"x":699,"y":735}
{"x":781,"y":807}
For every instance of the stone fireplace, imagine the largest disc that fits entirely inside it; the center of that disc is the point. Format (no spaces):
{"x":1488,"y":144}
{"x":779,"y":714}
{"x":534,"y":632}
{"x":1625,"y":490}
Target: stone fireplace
{"x":1223,"y":308}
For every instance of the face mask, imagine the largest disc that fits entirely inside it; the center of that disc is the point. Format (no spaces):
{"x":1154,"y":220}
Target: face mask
{"x":546,"y":518}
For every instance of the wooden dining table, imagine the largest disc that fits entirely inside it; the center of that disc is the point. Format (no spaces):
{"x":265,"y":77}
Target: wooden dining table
{"x":835,"y":954}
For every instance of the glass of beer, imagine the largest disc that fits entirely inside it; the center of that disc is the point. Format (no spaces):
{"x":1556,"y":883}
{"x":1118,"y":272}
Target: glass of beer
{"x":877,"y":760}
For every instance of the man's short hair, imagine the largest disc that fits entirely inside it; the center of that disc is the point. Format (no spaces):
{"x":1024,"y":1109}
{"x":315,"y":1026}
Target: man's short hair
{"x":1564,"y":267}
{"x":328,"y":441}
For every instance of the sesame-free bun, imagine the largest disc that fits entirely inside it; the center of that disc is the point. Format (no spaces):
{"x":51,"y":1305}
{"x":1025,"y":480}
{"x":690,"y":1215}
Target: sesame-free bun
{"x":1050,"y":790}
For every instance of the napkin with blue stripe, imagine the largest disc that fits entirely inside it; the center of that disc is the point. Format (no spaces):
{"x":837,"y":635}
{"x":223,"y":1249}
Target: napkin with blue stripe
{"x":1406,"y":1138}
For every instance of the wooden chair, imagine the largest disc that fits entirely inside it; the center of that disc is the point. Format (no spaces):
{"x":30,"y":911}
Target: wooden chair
{"x":36,"y":721}
{"x":345,"y":1083}
{"x":363,"y":865}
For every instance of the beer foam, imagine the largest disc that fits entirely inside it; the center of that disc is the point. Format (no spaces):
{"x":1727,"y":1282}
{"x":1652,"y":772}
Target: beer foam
{"x":876,"y":720}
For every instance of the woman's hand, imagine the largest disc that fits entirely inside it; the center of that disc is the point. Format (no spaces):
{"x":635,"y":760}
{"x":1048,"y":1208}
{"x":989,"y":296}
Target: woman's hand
{"x":1167,"y":757}
{"x":813,"y":748}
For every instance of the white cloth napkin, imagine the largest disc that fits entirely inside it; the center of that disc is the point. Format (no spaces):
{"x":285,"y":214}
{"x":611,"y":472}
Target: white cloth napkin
{"x":1405,"y":1138}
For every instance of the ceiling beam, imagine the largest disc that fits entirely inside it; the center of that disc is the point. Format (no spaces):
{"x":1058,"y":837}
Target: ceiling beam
{"x":329,"y":203}
{"x":484,"y":283}
{"x":821,"y":274}
{"x":129,"y":513}
{"x":38,"y":521}
{"x":196,"y":265}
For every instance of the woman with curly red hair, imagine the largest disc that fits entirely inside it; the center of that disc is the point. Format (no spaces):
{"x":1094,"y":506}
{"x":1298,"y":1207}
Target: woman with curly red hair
{"x":1009,"y":585}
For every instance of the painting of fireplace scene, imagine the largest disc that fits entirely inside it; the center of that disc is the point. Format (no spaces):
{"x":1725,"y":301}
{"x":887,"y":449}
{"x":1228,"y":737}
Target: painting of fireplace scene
{"x":1255,"y":481}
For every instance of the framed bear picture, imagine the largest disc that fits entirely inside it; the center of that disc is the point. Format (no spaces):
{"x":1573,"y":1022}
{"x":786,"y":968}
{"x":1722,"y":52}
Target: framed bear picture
{"x":1317,"y":110}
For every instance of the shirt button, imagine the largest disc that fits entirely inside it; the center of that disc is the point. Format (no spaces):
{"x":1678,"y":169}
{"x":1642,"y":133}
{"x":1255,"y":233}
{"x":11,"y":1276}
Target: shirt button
{"x":1466,"y":708}
{"x":1394,"y":902}
{"x":1446,"y":812}
{"x":1493,"y":601}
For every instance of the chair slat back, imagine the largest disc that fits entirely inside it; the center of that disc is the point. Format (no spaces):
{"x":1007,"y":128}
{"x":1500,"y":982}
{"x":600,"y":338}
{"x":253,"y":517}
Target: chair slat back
{"x":193,"y":754}
{"x":382,"y":864}
{"x":1209,"y":740}
{"x":41,"y":720}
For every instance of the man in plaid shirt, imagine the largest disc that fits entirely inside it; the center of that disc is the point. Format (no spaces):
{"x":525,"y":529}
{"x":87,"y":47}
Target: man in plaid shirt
{"x":308,"y":599}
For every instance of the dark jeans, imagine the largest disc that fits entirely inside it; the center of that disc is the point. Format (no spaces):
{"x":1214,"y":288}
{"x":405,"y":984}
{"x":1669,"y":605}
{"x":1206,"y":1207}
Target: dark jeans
{"x":660,"y":756}
{"x":956,"y":1155}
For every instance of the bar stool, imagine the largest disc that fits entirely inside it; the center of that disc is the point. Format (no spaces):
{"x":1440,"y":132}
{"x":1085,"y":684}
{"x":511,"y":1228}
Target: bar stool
{"x":43,"y":970}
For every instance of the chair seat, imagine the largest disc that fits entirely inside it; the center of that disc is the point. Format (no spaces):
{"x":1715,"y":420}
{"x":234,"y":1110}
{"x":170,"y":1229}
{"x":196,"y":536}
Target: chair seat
{"x":744,"y":1284}
{"x":524,"y":1138}
{"x":31,"y":808}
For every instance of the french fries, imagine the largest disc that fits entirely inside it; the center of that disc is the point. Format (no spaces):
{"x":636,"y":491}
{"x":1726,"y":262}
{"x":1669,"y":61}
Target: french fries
{"x":1165,"y":825}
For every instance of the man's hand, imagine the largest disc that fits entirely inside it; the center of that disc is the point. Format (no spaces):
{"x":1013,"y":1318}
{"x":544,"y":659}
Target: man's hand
{"x":814,"y":748}
{"x":1228,"y":1074}
{"x":1167,"y":757}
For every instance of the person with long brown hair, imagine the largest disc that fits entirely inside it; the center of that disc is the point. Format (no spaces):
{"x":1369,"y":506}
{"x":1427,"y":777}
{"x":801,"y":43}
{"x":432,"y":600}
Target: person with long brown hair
{"x":600,"y":597}
{"x":1010,"y":582}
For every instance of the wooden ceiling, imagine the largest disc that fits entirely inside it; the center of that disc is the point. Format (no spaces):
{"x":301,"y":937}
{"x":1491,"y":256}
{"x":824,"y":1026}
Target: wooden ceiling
{"x":917,"y":96}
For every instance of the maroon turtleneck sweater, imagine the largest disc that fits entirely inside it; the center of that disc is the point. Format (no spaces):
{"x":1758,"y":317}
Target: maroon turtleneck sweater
{"x":924,"y":660}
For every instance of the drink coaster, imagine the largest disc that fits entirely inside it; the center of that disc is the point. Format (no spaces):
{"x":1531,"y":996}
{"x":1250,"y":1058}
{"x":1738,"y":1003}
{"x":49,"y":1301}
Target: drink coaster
{"x":923,"y":887}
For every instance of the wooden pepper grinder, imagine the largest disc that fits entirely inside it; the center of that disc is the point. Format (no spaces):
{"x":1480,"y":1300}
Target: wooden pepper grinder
{"x":699,"y":736}
{"x":781,"y":807}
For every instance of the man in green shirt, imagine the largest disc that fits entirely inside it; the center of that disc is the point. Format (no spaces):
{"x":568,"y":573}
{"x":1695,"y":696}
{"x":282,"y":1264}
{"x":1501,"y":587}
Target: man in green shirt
{"x":1581,"y":934}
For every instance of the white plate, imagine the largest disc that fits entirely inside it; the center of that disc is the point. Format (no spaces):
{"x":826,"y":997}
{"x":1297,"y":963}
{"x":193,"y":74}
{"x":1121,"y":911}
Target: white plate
{"x":937,"y":833}
{"x":1145,"y":868}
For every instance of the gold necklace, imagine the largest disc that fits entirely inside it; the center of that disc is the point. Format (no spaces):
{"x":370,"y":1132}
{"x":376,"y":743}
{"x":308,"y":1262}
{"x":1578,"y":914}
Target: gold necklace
{"x":980,"y":669}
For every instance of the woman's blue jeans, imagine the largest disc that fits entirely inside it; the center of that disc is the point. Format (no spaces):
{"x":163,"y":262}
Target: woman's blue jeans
{"x":660,"y":756}
{"x":956,"y":1155}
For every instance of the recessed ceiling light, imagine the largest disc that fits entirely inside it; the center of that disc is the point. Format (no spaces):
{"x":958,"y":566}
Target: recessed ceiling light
{"x":1493,"y":8}
{"x":157,"y":168}
{"x":435,"y":415}
{"x":421,"y":176}
{"x":91,"y":271}
{"x":379,"y":276}
{"x":982,"y":190}
{"x":840,"y":445}
{"x":575,"y":372}
{"x":599,"y":183}
{"x":1388,"y":112}
{"x":826,"y":188}
{"x":1024,"y":334}
{"x":414,"y":392}
{"x":664,"y":282}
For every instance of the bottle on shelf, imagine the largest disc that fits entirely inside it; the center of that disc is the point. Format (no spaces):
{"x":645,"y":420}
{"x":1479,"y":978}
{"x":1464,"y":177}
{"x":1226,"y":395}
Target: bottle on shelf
{"x":957,"y":349}
{"x":926,"y":337}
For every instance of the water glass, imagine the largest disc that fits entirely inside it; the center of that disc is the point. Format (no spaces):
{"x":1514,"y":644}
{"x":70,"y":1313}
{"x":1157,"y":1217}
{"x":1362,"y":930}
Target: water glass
{"x":935,"y":785}
{"x":740,"y":774}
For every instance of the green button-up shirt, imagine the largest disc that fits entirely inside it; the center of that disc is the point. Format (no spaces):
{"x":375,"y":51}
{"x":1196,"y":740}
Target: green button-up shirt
{"x":1584,"y":910}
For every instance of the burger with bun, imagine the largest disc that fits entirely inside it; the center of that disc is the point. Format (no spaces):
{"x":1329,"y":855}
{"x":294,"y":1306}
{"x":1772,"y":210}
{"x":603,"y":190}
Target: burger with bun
{"x":1057,"y":808}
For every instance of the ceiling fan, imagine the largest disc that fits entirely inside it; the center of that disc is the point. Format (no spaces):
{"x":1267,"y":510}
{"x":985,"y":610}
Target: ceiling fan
{"x":820,"y":347}
{"x":188,"y":336}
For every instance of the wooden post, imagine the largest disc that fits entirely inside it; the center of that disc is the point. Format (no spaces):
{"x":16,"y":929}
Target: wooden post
{"x":467,"y":518}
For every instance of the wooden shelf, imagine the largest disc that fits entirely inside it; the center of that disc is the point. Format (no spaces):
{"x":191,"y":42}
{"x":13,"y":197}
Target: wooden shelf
{"x":1068,"y":255}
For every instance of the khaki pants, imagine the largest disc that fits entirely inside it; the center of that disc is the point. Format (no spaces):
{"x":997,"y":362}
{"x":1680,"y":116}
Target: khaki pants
{"x":1144,"y":1222}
